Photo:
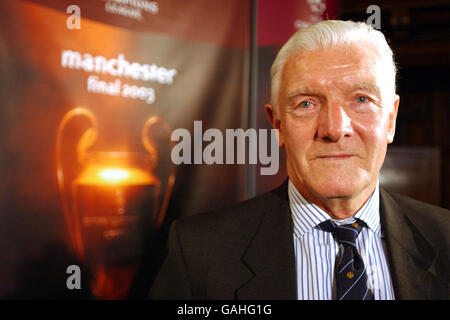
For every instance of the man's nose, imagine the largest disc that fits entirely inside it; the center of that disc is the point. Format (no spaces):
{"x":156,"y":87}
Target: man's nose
{"x":334,"y":123}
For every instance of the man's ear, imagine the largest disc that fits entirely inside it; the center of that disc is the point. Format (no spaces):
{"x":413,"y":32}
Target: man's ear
{"x":393,"y":119}
{"x":275,"y":121}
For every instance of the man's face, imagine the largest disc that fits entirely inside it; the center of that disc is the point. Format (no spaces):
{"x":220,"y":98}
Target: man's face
{"x":336,"y":115}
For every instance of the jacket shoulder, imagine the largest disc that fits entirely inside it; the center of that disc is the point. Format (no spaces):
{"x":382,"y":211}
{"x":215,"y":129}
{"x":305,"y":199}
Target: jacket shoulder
{"x":238,"y":216}
{"x":431,"y":220}
{"x":205,"y":250}
{"x":243,"y":216}
{"x":422,"y":210}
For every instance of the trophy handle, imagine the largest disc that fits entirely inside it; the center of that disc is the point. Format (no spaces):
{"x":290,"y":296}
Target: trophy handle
{"x":151,"y":148}
{"x":87,"y":139}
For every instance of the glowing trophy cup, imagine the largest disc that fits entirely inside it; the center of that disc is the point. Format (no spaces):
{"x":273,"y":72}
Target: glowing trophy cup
{"x":112,"y":203}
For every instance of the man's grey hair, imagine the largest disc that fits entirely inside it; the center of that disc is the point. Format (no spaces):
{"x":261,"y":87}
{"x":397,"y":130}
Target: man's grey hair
{"x":328,"y":34}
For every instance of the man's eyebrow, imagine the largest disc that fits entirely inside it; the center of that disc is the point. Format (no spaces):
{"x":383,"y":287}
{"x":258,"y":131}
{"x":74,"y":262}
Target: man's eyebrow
{"x":301,"y":91}
{"x":367,"y":87}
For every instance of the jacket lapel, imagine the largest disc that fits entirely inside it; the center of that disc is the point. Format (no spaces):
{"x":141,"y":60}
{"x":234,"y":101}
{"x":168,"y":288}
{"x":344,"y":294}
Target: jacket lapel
{"x":410,"y":255}
{"x":270,"y":255}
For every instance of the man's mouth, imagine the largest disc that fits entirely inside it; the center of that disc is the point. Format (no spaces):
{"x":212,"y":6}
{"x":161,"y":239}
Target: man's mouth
{"x":336,"y":156}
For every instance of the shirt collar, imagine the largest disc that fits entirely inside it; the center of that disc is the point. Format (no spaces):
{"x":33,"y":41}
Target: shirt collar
{"x":306,"y":216}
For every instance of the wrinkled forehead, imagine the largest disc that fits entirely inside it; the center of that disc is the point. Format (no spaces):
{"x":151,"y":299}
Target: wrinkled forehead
{"x":337,"y":65}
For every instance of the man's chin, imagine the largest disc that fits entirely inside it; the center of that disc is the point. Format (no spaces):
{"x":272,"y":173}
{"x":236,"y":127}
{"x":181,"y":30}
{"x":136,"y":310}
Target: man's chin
{"x":337,"y":188}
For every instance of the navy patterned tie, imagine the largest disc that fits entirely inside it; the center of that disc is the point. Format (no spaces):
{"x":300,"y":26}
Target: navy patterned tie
{"x":351,"y":275}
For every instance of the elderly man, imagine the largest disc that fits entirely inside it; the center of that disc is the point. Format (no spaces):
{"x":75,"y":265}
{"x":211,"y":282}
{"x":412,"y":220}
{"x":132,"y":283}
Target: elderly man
{"x":330,"y":231}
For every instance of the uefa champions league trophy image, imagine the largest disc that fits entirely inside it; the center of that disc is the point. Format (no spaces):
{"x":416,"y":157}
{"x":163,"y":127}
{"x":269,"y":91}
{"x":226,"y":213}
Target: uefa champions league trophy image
{"x":111,"y":203}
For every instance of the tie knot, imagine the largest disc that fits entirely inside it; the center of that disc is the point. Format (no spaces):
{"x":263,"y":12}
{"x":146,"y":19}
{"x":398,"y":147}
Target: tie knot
{"x":345,"y":234}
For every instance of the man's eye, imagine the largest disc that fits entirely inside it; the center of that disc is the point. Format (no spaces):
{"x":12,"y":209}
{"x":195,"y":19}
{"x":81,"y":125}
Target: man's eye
{"x":306,"y":104}
{"x":362,"y":99}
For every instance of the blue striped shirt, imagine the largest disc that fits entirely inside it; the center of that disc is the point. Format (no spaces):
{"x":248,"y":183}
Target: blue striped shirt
{"x":316,"y":250}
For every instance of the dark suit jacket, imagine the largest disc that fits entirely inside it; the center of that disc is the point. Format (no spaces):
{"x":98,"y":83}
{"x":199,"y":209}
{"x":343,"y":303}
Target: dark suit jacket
{"x":247,"y":252}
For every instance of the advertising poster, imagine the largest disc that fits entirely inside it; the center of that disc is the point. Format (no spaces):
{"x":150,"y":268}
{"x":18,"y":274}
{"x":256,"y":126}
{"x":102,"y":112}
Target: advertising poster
{"x":93,"y":95}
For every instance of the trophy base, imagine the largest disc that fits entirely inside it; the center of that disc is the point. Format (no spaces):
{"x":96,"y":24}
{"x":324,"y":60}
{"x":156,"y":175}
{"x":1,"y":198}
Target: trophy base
{"x":113,"y":282}
{"x":114,"y":222}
